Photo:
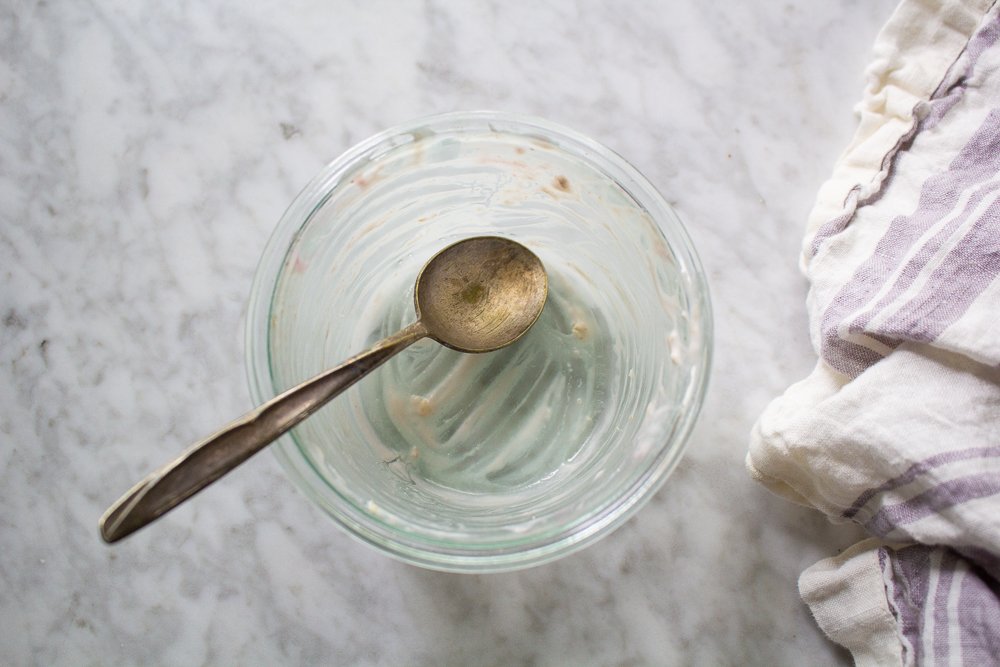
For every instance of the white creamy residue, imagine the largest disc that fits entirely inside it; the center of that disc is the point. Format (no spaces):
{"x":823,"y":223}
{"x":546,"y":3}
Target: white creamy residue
{"x":475,"y":422}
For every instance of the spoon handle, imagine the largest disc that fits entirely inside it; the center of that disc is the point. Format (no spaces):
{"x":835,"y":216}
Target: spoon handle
{"x":210,"y":459}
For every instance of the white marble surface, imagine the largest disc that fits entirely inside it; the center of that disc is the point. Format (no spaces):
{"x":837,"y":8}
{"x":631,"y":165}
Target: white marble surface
{"x":147,"y":149}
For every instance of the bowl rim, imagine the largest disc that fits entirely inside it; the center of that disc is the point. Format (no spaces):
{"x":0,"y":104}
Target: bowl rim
{"x":300,"y":471}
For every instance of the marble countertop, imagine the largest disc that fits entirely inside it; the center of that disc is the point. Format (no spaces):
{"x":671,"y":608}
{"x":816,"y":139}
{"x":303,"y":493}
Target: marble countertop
{"x":147,"y":150}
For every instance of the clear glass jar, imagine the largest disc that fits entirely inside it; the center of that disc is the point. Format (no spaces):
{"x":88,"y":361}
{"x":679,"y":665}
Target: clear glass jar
{"x":513,"y":458}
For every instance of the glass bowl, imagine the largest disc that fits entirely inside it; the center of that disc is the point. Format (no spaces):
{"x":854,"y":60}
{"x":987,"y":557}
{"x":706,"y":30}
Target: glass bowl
{"x":494,"y":461}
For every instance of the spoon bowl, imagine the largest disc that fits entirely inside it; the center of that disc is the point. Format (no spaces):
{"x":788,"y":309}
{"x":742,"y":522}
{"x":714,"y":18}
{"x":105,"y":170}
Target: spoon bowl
{"x":481,"y":294}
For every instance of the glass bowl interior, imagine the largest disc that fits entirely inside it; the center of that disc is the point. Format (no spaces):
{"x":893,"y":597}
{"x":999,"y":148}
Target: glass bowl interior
{"x":501,"y":460}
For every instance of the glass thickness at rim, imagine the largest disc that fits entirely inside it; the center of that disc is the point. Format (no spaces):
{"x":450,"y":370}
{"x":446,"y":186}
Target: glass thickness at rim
{"x":456,"y":557}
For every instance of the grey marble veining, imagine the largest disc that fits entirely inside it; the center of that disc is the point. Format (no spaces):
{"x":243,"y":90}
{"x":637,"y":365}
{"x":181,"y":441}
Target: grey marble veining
{"x":147,"y":150}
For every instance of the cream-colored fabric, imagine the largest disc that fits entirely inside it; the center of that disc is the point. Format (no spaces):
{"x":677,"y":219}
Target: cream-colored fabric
{"x":847,"y":598}
{"x":898,"y":426}
{"x":909,"y":60}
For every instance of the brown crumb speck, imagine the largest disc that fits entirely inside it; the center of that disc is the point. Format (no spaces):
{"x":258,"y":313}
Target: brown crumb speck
{"x":365,"y":181}
{"x":562,"y":183}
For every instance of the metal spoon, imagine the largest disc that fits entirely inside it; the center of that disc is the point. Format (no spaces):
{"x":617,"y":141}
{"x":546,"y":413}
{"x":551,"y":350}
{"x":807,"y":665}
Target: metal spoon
{"x":477,"y":295}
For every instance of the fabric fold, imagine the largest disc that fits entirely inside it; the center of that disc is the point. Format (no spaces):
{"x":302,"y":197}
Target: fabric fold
{"x":846,"y":595}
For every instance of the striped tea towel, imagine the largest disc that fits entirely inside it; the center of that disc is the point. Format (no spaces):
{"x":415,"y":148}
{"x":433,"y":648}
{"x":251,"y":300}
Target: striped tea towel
{"x":898,"y":427}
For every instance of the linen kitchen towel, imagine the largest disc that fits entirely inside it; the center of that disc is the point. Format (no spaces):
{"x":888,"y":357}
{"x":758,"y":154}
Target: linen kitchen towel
{"x":898,"y":426}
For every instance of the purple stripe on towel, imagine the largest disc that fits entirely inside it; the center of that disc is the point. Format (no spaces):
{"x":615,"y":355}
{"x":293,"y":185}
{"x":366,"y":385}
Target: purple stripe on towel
{"x":979,"y":620}
{"x":848,"y":358}
{"x":910,"y":569}
{"x":976,"y":164}
{"x":937,"y":289}
{"x":941,"y":497}
{"x":963,"y":275}
{"x":920,"y":468}
{"x":976,"y":607}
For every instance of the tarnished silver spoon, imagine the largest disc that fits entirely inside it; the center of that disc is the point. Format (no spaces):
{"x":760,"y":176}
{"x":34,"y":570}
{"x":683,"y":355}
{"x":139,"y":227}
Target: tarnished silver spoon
{"x":477,"y":295}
